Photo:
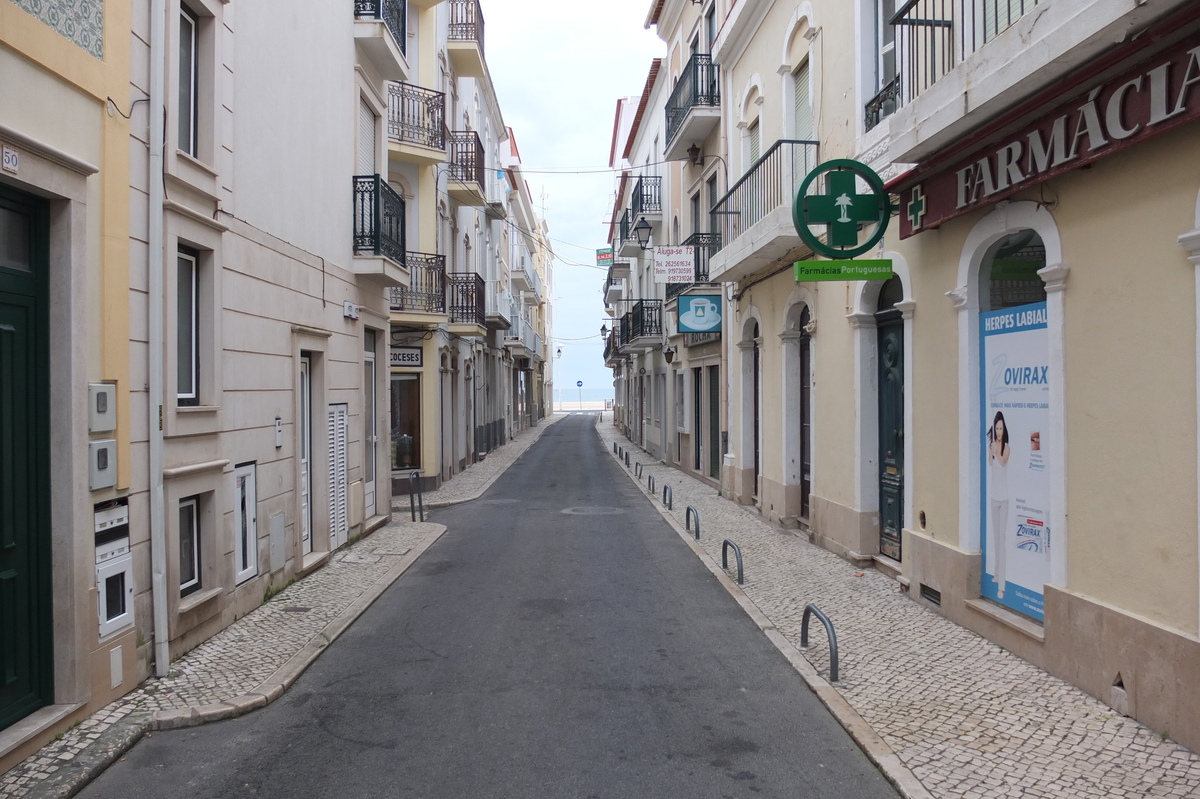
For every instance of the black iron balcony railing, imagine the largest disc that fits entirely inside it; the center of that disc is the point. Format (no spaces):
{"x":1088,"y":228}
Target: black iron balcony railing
{"x":416,"y":115}
{"x":768,"y":184}
{"x":647,"y":196}
{"x":932,"y":37}
{"x":624,"y":330}
{"x":465,"y":299}
{"x":466,"y":22}
{"x":699,"y":85}
{"x":466,"y":157}
{"x":645,"y":319}
{"x":378,"y":219}
{"x":706,"y":244}
{"x":625,"y":228}
{"x":882,"y":105}
{"x":426,"y":292}
{"x":393,"y":13}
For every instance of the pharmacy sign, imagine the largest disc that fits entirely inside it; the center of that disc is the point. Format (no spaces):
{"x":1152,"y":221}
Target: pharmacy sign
{"x":841,"y":209}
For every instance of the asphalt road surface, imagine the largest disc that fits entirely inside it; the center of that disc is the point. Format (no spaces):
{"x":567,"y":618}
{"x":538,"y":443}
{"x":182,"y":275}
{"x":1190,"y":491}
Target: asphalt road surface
{"x":560,"y":640}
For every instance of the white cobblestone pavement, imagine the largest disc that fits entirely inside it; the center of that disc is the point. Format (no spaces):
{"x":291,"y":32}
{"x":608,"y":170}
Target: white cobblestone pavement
{"x":966,"y":718}
{"x":252,"y":661}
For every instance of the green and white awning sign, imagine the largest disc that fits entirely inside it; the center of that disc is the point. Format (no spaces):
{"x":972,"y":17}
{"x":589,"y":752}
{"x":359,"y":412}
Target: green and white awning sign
{"x":866,"y":269}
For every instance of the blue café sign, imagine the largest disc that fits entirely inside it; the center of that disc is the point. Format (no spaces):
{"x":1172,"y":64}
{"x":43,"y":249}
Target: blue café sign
{"x":699,"y":313}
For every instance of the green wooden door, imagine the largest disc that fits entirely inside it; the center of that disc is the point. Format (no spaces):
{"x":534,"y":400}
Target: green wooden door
{"x":890,"y":330}
{"x":25,"y":673}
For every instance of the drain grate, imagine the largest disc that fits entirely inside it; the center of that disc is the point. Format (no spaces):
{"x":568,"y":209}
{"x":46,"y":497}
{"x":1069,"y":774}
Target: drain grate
{"x":296,"y":610}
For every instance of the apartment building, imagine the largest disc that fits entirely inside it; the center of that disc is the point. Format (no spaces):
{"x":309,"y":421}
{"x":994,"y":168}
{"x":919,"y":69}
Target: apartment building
{"x":1019,"y":457}
{"x":467,"y":332}
{"x":65,"y":375}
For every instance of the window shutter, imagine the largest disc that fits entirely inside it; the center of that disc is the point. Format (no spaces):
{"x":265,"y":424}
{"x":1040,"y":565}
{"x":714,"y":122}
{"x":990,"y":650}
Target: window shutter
{"x":804,"y":115}
{"x":755,"y":142}
{"x":338,"y":489}
{"x":366,"y":139}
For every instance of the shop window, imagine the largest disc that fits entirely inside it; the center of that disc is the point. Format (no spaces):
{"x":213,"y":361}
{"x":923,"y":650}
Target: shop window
{"x":406,"y":421}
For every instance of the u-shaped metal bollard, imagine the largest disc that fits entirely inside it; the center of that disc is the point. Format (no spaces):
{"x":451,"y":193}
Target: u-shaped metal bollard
{"x":650,"y":482}
{"x":668,"y":497}
{"x":833,"y":650}
{"x":626,"y":459}
{"x":725,"y":545}
{"x":637,"y":470}
{"x":689,"y":514}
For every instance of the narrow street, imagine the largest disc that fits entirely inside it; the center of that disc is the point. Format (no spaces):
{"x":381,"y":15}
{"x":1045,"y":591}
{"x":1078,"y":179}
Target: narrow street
{"x":558,"y":641}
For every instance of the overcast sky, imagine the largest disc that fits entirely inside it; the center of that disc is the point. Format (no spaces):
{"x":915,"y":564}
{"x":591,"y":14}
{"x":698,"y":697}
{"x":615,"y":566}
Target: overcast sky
{"x":559,"y":67}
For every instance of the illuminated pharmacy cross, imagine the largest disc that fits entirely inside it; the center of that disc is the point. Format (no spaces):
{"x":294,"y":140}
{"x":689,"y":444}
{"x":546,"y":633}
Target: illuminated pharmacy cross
{"x":841,"y":208}
{"x":916,"y":208}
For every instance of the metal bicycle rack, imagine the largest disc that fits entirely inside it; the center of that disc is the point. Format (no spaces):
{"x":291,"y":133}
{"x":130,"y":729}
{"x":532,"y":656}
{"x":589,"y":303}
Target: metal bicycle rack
{"x":689,"y":514}
{"x":737,"y":551}
{"x":833,"y":650}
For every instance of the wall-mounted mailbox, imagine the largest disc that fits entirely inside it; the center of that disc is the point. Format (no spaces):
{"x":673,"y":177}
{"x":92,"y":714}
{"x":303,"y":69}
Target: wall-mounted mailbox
{"x":114,"y":566}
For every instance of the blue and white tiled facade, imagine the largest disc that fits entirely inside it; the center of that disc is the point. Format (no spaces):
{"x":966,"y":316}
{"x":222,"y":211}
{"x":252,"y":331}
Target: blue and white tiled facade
{"x":81,"y":21}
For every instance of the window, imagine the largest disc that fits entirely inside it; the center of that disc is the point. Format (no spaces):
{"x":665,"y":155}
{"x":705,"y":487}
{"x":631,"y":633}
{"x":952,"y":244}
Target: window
{"x":696,"y":215}
{"x":245,"y":522}
{"x":755,"y":142}
{"x":803,"y":105}
{"x":406,"y":421}
{"x":711,"y":186}
{"x":187,"y":327}
{"x":885,"y":43}
{"x":189,"y":53}
{"x":189,"y":545}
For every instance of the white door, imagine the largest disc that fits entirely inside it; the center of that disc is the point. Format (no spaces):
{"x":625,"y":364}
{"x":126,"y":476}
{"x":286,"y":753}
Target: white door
{"x":305,"y":430}
{"x":370,"y":424}
{"x":245,"y":522}
{"x":339,"y":527}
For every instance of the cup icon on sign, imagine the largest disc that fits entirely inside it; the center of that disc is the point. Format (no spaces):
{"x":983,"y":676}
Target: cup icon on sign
{"x":702,"y":308}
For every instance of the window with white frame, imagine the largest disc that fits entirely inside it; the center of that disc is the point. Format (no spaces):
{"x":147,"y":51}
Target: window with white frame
{"x":189,"y":545}
{"x":187,"y":326}
{"x":245,"y":522}
{"x":189,"y":81}
{"x":802,"y":102}
{"x":883,"y":95}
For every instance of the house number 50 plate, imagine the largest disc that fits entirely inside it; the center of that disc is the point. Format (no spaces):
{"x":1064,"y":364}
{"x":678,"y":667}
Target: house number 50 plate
{"x":11,"y":160}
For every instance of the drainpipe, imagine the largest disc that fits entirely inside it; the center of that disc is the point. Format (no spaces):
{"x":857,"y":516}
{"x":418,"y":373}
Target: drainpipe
{"x":158,"y":535}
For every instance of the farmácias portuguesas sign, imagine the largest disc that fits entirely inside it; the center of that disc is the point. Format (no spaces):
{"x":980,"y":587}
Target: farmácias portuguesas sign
{"x":837,"y":206}
{"x":1145,"y":100}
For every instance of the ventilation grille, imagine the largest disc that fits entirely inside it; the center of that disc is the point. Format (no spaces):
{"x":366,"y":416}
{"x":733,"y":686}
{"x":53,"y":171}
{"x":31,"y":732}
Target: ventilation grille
{"x":931,"y":594}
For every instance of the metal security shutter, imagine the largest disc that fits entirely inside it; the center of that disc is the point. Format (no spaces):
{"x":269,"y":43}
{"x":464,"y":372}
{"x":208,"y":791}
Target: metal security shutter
{"x":366,"y":139}
{"x":339,"y":423}
{"x":804,"y":116}
{"x":755,"y":142}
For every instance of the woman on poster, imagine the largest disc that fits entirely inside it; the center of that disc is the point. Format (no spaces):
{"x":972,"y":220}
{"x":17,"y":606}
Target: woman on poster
{"x":998,"y":455}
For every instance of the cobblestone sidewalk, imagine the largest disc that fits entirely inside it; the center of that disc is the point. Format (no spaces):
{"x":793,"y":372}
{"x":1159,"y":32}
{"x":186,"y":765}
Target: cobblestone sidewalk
{"x":966,"y":718}
{"x":243,"y":667}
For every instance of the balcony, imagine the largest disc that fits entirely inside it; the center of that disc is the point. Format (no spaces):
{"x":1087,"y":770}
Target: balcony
{"x":647,"y":198}
{"x":963,"y":63}
{"x":423,"y":300}
{"x":465,"y":44}
{"x":754,"y":218}
{"x":705,"y":245}
{"x":500,"y":310}
{"x":416,"y":124}
{"x":522,"y":340}
{"x":381,"y":36}
{"x":694,"y":108}
{"x":641,"y":328}
{"x":379,"y":242}
{"x":466,"y":169}
{"x":627,"y":245}
{"x":465,"y":299}
{"x":614,"y":290}
{"x":525,"y":278}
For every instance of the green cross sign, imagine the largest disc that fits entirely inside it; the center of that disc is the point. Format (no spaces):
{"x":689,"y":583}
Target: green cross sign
{"x":841,"y":209}
{"x":916,"y":208}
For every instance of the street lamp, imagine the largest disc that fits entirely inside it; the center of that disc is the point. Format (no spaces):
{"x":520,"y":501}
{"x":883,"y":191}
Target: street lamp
{"x":603,"y":330}
{"x":642,"y":231}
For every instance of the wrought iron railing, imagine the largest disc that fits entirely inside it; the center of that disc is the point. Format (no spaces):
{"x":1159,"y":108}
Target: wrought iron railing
{"x":699,"y":85}
{"x":466,"y":22}
{"x":647,"y":196}
{"x":378,"y":219}
{"x":625,"y":228}
{"x":426,"y":292}
{"x":932,"y":37}
{"x":466,"y":157}
{"x":768,"y":184}
{"x":645,"y":319}
{"x":882,"y":105}
{"x":416,"y":115}
{"x":393,"y":13}
{"x":465,"y":300}
{"x":705,"y":244}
